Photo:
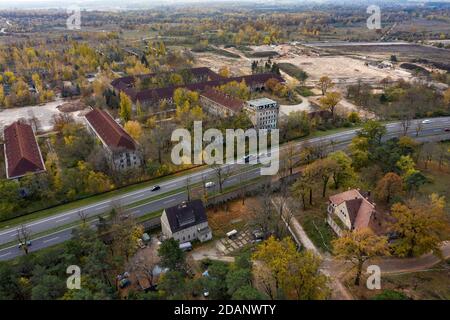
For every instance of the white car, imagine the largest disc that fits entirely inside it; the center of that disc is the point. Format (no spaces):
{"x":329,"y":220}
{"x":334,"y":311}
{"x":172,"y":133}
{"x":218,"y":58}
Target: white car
{"x":426,"y":121}
{"x":209,"y":184}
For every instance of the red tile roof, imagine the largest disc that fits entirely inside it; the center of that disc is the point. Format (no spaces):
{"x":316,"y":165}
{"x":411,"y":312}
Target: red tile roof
{"x":109,"y":131}
{"x":223,"y":99}
{"x":22,"y":152}
{"x":360,"y":209}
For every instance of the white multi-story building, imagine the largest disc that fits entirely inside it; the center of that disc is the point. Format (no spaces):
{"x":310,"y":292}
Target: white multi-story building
{"x":263,"y":113}
{"x":186,"y":222}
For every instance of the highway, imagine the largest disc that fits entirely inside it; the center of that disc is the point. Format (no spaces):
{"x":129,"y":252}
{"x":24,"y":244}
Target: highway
{"x":176,"y":189}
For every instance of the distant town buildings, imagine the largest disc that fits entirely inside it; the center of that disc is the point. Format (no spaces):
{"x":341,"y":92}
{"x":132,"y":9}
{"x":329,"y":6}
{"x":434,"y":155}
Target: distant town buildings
{"x":186,"y":222}
{"x":121,"y":149}
{"x":218,"y":103}
{"x":351,"y":210}
{"x":263,"y":113}
{"x":22,"y":153}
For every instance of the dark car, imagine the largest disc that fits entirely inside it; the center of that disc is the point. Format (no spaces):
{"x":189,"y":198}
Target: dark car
{"x":447,"y":129}
{"x":155,"y":188}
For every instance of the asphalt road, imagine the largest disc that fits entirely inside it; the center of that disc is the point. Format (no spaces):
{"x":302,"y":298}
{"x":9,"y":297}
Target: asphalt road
{"x":433,"y":130}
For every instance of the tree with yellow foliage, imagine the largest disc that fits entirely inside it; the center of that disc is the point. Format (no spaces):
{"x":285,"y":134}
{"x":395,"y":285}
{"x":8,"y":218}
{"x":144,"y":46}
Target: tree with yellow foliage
{"x":330,"y":101}
{"x":296,"y":274}
{"x":134,"y":129}
{"x":447,"y":96}
{"x":420,"y":226}
{"x":359,"y":246}
{"x":125,"y":107}
{"x":224,"y":72}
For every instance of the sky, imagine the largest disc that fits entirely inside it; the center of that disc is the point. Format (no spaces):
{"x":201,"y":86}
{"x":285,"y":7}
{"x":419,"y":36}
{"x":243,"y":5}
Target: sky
{"x":129,"y":4}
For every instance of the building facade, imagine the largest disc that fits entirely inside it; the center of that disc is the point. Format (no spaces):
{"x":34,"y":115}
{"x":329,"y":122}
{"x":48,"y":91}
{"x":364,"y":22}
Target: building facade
{"x":122,"y":151}
{"x":263,"y":113}
{"x":186,"y":222}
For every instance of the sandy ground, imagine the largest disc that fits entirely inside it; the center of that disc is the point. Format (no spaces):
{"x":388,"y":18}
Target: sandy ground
{"x":44,"y":113}
{"x":305,"y":105}
{"x":237,"y":66}
{"x":342,"y":69}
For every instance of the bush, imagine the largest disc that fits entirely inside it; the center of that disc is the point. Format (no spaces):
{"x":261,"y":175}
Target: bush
{"x":391,"y":295}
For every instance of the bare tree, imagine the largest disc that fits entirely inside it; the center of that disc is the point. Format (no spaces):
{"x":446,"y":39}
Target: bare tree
{"x":188,"y":188}
{"x":23,"y":236}
{"x":222,"y":173}
{"x":264,"y":216}
{"x":83,"y":215}
{"x":418,"y":128}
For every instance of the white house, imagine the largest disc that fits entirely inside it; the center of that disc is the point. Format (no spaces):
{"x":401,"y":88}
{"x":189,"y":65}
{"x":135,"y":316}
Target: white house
{"x":263,"y":113}
{"x":186,"y":222}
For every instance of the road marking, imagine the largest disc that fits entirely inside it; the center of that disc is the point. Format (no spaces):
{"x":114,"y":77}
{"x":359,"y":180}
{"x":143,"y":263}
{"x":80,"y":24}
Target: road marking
{"x":169,"y":201}
{"x":5,"y":254}
{"x":63,"y":219}
{"x":52,"y":239}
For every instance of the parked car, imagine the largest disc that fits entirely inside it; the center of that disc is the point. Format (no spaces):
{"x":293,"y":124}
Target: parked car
{"x":155,"y":188}
{"x":146,"y":238}
{"x":258,"y":235}
{"x":125,"y":282}
{"x":186,"y":246}
{"x":447,"y":129}
{"x":141,"y":244}
{"x":232,"y":234}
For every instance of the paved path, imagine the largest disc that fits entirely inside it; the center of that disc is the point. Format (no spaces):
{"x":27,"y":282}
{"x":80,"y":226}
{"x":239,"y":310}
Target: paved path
{"x":405,"y":265}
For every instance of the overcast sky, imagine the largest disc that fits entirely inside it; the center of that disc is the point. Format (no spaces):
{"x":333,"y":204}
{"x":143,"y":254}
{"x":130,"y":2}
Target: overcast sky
{"x":128,"y":4}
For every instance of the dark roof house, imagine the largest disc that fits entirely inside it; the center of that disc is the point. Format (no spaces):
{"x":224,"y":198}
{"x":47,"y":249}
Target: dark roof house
{"x":22,"y":153}
{"x":109,"y":131}
{"x":186,"y":215}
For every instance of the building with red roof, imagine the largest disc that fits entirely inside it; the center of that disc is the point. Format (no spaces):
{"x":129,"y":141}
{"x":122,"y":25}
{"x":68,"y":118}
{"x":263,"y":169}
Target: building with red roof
{"x":22,"y":153}
{"x":122,"y":150}
{"x":351,"y":210}
{"x":219,"y":103}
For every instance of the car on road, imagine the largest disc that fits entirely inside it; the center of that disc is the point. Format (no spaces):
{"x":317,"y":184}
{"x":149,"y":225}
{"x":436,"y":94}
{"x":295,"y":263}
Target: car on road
{"x":447,"y":129}
{"x":209,"y":184}
{"x":248,"y":158}
{"x":21,"y":244}
{"x":426,"y":121}
{"x":155,"y":188}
